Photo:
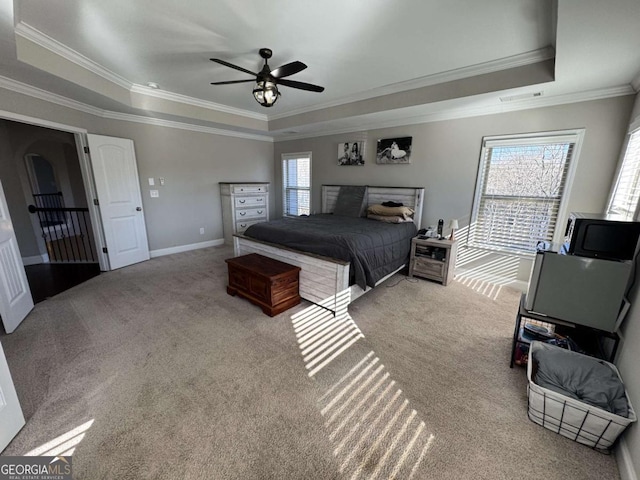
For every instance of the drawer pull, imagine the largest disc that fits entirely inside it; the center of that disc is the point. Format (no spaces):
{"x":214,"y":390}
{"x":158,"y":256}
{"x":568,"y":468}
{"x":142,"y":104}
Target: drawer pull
{"x":260,"y":212}
{"x":241,"y":201}
{"x":242,"y":225}
{"x":242,"y":214}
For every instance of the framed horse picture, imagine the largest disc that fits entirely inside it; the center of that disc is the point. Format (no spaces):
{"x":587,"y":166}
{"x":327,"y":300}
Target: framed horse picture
{"x":394,"y":150}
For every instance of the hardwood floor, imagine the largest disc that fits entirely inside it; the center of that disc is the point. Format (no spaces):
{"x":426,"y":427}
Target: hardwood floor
{"x":49,"y":279}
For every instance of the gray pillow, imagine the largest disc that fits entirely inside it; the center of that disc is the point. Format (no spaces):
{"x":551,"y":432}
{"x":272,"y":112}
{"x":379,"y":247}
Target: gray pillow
{"x":583,"y":378}
{"x":351,"y":202}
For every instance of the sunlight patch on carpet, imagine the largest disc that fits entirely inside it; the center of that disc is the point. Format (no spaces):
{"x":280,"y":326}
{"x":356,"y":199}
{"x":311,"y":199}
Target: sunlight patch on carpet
{"x":373,"y":430}
{"x":489,"y":277}
{"x":63,"y":445}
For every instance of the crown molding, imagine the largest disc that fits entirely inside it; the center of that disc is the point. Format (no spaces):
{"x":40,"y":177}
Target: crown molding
{"x":539,"y":102}
{"x":30,"y":33}
{"x":36,"y":36}
{"x":506,"y":63}
{"x":31,"y":91}
{"x":457,"y":113}
{"x":35,"y":92}
{"x":45,"y":41}
{"x":196,"y":102}
{"x":159,"y":122}
{"x":635,"y":83}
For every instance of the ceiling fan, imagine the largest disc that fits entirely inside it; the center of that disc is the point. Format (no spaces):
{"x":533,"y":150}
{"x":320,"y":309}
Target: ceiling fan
{"x":266,"y":91}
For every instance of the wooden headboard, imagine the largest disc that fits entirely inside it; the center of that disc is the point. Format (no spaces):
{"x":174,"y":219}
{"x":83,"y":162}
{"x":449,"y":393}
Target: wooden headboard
{"x":409,"y":197}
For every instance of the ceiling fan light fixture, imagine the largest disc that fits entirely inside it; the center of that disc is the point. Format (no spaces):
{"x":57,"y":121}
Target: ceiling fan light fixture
{"x":266,"y":93}
{"x":266,"y":90}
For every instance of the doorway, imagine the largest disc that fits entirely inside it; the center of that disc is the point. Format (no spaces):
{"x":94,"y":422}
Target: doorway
{"x":106,"y":180}
{"x":47,"y":200}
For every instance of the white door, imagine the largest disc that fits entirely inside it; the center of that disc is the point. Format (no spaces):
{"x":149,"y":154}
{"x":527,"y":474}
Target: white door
{"x":118,"y":188}
{"x":15,"y":296}
{"x":11,"y":418}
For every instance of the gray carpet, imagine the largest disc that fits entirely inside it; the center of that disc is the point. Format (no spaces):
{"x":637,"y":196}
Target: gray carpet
{"x":169,"y":377}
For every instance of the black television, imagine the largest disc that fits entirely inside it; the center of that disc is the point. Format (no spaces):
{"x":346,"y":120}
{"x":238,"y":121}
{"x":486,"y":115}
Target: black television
{"x":600,"y":236}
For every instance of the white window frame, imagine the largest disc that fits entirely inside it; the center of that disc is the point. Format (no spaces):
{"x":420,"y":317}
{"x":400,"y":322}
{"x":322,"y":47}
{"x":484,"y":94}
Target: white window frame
{"x":574,"y":136}
{"x":634,"y":130}
{"x":294,"y":156}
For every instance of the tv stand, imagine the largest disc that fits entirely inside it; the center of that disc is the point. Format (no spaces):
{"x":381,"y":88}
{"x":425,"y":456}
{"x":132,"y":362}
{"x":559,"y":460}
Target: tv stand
{"x":578,"y":329}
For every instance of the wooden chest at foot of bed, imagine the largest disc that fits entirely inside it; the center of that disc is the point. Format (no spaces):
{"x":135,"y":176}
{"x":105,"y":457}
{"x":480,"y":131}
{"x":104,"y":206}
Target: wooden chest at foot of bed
{"x":268,"y":283}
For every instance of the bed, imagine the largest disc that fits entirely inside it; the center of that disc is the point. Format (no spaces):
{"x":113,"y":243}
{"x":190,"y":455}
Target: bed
{"x":333,"y":274}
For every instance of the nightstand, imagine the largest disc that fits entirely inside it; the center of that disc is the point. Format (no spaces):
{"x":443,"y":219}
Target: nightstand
{"x":433,"y":259}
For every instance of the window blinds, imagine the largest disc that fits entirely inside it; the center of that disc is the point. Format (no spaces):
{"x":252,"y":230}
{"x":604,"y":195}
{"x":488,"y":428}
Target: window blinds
{"x":521,"y":185}
{"x":626,"y":193}
{"x":296,"y":181}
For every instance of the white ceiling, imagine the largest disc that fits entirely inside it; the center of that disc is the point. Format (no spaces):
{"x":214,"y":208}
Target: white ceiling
{"x":365,"y":54}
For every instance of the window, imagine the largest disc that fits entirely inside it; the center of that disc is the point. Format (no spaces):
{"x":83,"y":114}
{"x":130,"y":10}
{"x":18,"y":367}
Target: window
{"x":42,"y":175}
{"x":626,"y":191}
{"x":521,"y":184}
{"x":296,"y":184}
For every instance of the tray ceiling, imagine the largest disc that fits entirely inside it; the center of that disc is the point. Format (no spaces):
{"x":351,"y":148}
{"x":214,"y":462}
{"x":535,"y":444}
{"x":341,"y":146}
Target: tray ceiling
{"x":379,"y":62}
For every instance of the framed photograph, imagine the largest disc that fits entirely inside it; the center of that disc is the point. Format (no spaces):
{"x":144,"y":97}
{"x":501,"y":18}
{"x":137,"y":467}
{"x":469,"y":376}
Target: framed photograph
{"x":394,"y":150}
{"x":351,"y":153}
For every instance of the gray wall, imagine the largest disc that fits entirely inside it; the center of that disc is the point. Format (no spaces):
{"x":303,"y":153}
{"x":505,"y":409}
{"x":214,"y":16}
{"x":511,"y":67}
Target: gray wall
{"x":192,"y":164}
{"x":445,"y":158}
{"x":628,"y":361}
{"x":445,"y":155}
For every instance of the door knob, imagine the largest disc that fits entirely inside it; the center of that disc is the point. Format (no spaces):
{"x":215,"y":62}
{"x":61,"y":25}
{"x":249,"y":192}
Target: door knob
{"x":138,"y":209}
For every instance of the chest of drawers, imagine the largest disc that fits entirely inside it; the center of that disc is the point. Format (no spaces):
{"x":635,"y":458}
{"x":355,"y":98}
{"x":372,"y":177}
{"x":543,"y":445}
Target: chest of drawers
{"x":243,"y":204}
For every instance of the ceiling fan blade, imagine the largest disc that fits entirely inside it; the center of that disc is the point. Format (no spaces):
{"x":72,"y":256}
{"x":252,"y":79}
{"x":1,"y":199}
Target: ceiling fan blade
{"x":288,"y":69}
{"x":300,"y":85}
{"x":231,"y":65}
{"x":229,"y":82}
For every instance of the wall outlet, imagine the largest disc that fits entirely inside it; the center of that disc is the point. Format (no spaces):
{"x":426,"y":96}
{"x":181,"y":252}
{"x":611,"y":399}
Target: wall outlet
{"x":201,"y":230}
{"x":161,"y":180}
{"x":154,"y":193}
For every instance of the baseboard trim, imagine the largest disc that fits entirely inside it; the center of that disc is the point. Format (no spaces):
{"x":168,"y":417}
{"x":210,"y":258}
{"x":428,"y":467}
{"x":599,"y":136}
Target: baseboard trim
{"x":35,"y":260}
{"x":625,"y":464}
{"x":185,"y":248}
{"x":520,"y":285}
{"x":471,"y":275}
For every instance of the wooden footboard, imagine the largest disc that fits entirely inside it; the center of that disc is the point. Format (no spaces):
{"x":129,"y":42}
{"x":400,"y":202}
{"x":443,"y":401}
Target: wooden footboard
{"x":322,"y":279}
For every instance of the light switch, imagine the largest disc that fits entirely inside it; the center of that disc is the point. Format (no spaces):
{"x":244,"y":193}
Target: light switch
{"x":161,"y":180}
{"x":154,"y":193}
{"x":151,"y":181}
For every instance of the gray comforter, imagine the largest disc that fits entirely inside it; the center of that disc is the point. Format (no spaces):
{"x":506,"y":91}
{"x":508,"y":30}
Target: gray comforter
{"x":373,"y":248}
